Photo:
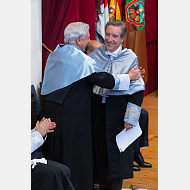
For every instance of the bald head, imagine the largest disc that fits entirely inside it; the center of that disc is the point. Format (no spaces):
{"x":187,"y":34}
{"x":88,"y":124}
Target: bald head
{"x":92,"y":46}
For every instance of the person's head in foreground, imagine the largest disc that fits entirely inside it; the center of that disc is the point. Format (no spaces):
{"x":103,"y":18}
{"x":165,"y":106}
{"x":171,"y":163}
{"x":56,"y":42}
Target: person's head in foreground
{"x":77,"y":33}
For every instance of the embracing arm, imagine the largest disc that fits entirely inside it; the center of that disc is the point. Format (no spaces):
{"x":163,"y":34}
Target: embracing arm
{"x":104,"y":80}
{"x":109,"y":81}
{"x":115,"y":82}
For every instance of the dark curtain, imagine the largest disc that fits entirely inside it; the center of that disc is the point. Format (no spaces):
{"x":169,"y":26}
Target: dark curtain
{"x":57,"y":14}
{"x":83,"y":11}
{"x":151,"y":31}
{"x":54,"y":14}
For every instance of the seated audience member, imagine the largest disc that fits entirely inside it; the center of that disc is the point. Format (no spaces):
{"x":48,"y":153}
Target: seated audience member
{"x":141,"y":142}
{"x":143,"y":122}
{"x":46,"y":174}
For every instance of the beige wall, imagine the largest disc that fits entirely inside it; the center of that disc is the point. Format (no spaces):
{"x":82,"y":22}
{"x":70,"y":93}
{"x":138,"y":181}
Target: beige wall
{"x":36,"y":44}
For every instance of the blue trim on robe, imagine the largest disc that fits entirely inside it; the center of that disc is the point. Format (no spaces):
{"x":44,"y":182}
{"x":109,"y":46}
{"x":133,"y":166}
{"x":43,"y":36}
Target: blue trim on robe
{"x":125,"y":60}
{"x":66,"y":65}
{"x":132,"y":113}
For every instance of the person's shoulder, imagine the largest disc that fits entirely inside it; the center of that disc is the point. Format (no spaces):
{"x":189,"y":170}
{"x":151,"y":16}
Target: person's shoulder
{"x":99,"y":50}
{"x":128,"y":52}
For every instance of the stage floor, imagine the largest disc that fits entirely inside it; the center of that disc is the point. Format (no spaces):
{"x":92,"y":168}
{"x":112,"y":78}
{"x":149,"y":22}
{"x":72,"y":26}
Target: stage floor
{"x":147,"y":178}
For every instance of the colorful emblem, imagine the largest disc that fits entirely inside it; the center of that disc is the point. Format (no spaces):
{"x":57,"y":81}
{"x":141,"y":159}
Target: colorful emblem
{"x":112,"y":10}
{"x":134,"y":15}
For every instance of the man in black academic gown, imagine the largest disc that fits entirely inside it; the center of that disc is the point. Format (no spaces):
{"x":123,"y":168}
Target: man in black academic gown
{"x":114,"y":111}
{"x":67,"y":100}
{"x":141,"y":141}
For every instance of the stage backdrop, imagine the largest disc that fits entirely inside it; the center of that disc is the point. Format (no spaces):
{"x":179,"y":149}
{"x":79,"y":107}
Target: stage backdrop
{"x":57,"y":14}
{"x":151,"y":32}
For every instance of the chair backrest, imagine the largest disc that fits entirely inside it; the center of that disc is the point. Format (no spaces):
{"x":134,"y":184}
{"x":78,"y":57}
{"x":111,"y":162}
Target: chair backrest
{"x":40,"y":100}
{"x":35,"y":96}
{"x":33,"y":110}
{"x":40,"y":86}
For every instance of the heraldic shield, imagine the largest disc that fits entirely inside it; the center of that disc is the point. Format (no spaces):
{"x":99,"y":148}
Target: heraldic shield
{"x":134,"y":15}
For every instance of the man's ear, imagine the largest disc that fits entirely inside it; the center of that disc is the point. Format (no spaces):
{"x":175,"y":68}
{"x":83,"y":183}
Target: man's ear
{"x":88,"y":52}
{"x":78,"y":40}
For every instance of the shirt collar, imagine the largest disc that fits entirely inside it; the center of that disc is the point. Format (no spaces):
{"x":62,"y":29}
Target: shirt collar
{"x":74,"y":46}
{"x":115,"y":52}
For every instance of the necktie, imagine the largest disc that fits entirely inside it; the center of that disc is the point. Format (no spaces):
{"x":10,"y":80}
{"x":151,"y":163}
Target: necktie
{"x":111,"y":54}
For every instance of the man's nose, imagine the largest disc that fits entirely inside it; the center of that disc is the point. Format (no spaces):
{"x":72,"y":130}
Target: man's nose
{"x":110,"y":38}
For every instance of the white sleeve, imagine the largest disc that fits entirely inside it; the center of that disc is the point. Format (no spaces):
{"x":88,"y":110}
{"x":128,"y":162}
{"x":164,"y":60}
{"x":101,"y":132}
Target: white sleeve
{"x":36,"y":140}
{"x":122,"y":82}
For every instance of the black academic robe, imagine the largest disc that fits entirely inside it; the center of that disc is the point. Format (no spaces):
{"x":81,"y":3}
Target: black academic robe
{"x":51,"y":176}
{"x":142,"y":141}
{"x":108,"y":122}
{"x":71,"y":142}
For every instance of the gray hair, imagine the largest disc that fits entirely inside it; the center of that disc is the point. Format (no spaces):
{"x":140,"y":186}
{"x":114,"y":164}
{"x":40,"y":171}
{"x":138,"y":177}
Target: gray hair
{"x":73,"y":30}
{"x":118,"y":23}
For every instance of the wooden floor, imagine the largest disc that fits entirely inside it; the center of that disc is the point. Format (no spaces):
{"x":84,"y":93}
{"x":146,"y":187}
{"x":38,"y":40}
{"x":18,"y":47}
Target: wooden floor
{"x":147,"y":178}
{"x":150,"y":103}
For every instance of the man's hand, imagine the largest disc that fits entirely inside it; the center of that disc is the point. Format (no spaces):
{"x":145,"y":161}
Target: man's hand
{"x":135,"y":74}
{"x":45,"y":126}
{"x":52,"y":126}
{"x":128,"y":126}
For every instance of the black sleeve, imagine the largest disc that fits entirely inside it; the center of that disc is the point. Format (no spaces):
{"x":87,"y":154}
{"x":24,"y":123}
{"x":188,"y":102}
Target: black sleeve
{"x":104,"y":80}
{"x":137,"y":98}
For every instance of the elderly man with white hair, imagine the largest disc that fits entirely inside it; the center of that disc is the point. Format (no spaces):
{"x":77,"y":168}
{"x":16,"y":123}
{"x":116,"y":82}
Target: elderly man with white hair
{"x":67,"y":99}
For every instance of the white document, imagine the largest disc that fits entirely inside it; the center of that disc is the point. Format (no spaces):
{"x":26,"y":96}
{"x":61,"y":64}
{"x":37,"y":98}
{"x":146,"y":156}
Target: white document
{"x":125,"y":138}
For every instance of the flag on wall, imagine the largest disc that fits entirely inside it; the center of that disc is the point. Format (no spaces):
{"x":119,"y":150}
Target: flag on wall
{"x":115,"y":10}
{"x":135,"y":38}
{"x":112,"y":9}
{"x":118,"y":10}
{"x":106,"y":12}
{"x":101,"y":18}
{"x":134,"y":15}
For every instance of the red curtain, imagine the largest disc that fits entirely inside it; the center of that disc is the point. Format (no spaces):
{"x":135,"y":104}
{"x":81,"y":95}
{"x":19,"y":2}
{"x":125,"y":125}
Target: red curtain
{"x":83,"y":11}
{"x":151,"y":31}
{"x":54,"y":14}
{"x":57,"y":14}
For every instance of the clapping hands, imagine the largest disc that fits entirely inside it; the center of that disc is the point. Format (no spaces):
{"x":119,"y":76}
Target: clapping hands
{"x":45,"y":126}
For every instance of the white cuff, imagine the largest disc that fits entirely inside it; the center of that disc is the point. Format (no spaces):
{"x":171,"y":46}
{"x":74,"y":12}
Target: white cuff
{"x":35,"y":161}
{"x":124,"y":82}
